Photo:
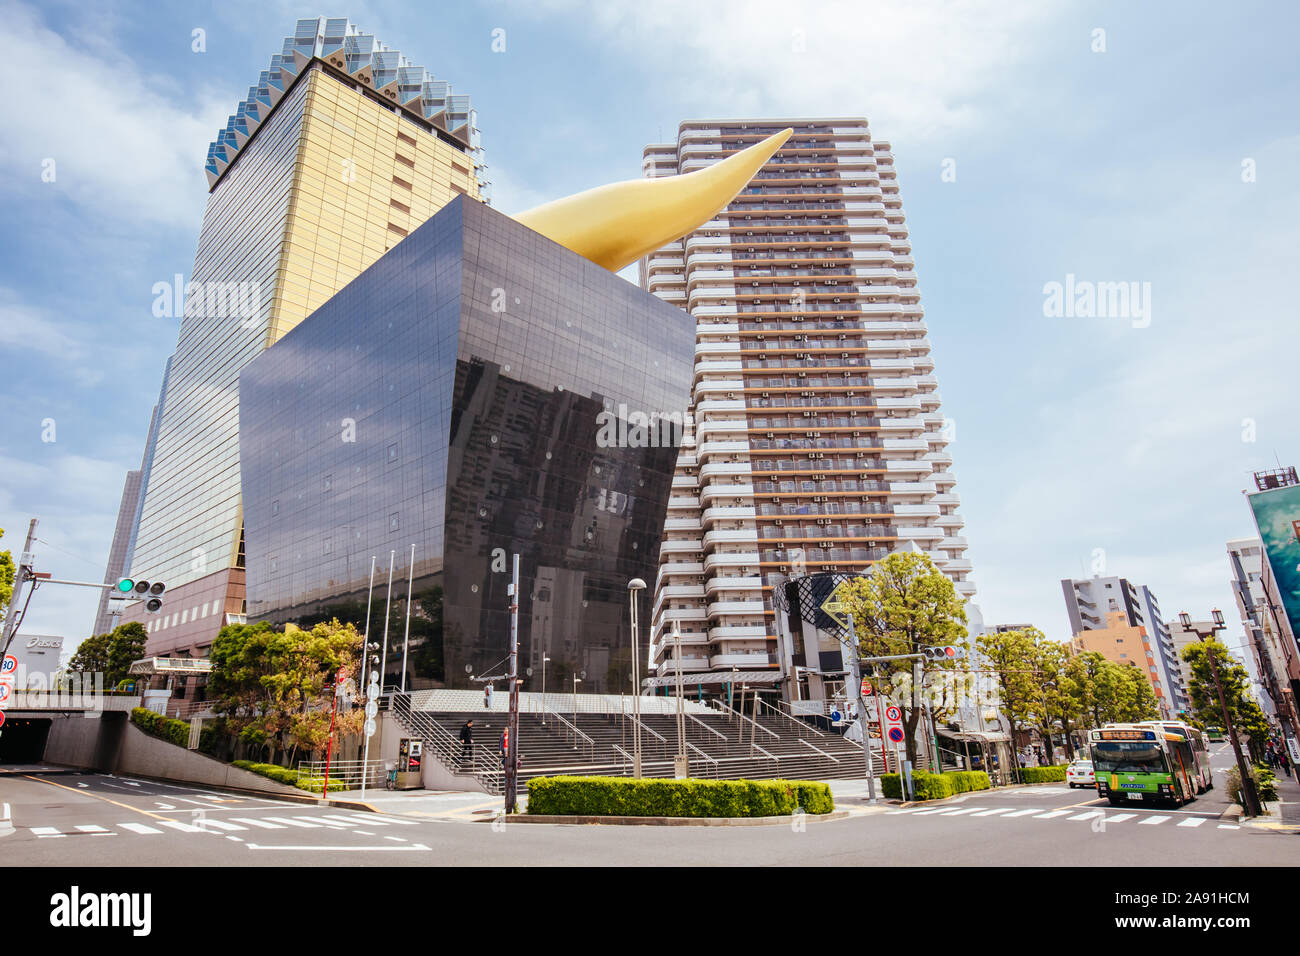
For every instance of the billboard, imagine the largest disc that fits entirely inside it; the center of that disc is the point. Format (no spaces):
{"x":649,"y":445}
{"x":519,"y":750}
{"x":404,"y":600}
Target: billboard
{"x":1277,"y":515}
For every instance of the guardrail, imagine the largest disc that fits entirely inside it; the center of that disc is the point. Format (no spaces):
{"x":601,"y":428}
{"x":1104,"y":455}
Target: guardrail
{"x":577,"y":735}
{"x":312,"y":772}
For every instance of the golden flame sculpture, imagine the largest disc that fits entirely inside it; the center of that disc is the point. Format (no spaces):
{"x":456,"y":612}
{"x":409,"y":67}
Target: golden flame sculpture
{"x":616,"y":225}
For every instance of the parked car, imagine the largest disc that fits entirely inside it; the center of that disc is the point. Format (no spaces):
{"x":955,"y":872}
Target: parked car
{"x":1080,"y":774}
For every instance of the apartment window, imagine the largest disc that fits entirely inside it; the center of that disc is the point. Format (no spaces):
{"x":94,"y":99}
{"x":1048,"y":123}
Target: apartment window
{"x":404,"y":160}
{"x":400,"y":206}
{"x":410,"y":140}
{"x":399,"y":181}
{"x":397,"y":229}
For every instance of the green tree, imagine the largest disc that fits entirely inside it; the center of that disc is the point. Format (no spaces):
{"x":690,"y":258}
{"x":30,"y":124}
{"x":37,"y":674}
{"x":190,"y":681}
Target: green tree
{"x":1012,"y":656}
{"x":1058,"y":691}
{"x":7,"y":571}
{"x":1136,"y":700}
{"x":110,"y":654}
{"x":903,"y":605}
{"x":276,"y":689}
{"x":1247,"y":718}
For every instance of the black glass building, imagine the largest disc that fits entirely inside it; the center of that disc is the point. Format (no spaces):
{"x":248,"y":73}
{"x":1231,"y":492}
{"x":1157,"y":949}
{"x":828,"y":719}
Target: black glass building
{"x":463,"y":395}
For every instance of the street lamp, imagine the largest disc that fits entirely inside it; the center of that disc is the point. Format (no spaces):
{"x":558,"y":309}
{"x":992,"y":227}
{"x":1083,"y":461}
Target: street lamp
{"x":544,"y":660}
{"x":1250,"y":798}
{"x":634,"y":589}
{"x":576,"y":681}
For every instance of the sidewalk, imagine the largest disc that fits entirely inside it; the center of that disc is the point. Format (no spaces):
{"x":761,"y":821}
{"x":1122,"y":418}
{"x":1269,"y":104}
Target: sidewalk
{"x":1287,"y":808}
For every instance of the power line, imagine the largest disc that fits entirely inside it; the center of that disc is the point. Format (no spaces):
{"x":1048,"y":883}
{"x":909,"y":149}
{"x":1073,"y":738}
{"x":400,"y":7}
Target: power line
{"x":67,"y":552}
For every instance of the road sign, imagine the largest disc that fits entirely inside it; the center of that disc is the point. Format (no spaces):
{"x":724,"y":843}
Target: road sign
{"x":836,"y":716}
{"x":370,"y":728}
{"x":893,"y":714}
{"x":896,"y":734}
{"x":2,"y":718}
{"x":836,"y":610}
{"x":9,"y":665}
{"x":372,"y":690}
{"x":372,"y":708}
{"x":342,"y":675}
{"x":867,"y":689}
{"x":5,"y":691}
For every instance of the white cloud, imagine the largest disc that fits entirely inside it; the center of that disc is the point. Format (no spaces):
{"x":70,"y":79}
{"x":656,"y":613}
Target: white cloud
{"x":917,"y":69}
{"x":122,"y":142}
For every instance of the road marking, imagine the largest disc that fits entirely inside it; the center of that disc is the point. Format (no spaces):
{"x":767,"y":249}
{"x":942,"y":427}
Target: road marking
{"x":1120,"y":817}
{"x":1149,"y":821}
{"x":370,"y":821}
{"x":259,"y":823}
{"x":331,"y":849}
{"x":163,"y":806}
{"x":290,"y":821}
{"x":326,"y":822}
{"x":927,"y":812}
{"x":183,"y":827}
{"x":1022,"y":813}
{"x":1229,"y":826}
{"x":1191,"y":822}
{"x":221,"y":825}
{"x":47,"y":832}
{"x":235,"y":838}
{"x":94,"y":828}
{"x":139,"y":828}
{"x":124,"y":806}
{"x":994,"y":812}
{"x":955,"y":813}
{"x":1087,"y":815}
{"x":1050,"y":814}
{"x":395,"y":839}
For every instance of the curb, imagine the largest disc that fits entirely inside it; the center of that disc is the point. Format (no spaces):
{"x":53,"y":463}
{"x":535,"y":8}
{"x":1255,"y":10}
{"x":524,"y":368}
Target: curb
{"x":1233,"y":812}
{"x":786,"y":820}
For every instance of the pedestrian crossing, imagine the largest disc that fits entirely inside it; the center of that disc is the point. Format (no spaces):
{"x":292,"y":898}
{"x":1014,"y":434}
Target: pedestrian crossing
{"x":224,"y":825}
{"x":1076,"y":814}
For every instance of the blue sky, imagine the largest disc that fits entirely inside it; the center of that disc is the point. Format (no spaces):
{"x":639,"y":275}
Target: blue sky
{"x":1075,"y":437}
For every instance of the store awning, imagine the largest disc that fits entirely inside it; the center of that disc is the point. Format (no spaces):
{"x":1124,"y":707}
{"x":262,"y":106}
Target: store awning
{"x":714,"y":679}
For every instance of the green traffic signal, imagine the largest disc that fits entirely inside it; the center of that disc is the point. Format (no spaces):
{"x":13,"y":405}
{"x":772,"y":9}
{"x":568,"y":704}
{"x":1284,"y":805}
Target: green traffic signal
{"x":126,"y":585}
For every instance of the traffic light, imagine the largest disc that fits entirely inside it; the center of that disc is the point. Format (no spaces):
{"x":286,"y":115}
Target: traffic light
{"x":947,"y":652}
{"x":149,"y":591}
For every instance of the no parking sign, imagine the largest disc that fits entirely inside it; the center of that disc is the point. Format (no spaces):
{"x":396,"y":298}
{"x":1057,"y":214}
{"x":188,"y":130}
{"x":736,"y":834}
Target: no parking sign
{"x":894,"y":724}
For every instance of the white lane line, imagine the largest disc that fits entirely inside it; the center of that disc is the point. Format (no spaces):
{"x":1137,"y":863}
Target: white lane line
{"x":94,"y":828}
{"x":957,"y":813}
{"x":139,"y":828}
{"x":1151,"y":821}
{"x":235,"y":838}
{"x":353,"y":821}
{"x":325,"y":822}
{"x":1120,"y":817}
{"x":47,"y":832}
{"x":289,"y":821}
{"x":263,"y":824}
{"x":395,"y":839}
{"x":221,"y":825}
{"x":1229,"y":826}
{"x":333,"y":849}
{"x":926,"y":813}
{"x":994,"y":812}
{"x":1086,"y":815}
{"x":1022,"y":813}
{"x":182,"y":827}
{"x":1050,"y":814}
{"x":1191,"y":822}
{"x":383,"y":821}
{"x":164,"y":806}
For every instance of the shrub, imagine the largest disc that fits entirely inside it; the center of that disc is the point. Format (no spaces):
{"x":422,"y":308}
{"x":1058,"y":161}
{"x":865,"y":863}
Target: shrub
{"x":624,"y":797}
{"x":285,"y":775}
{"x":1054,"y":774}
{"x":164,"y":728}
{"x":1265,"y":784}
{"x":936,"y":786}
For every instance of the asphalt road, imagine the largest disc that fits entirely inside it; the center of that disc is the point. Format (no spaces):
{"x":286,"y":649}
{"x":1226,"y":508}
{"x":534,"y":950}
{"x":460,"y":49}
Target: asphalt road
{"x":97,"y":820}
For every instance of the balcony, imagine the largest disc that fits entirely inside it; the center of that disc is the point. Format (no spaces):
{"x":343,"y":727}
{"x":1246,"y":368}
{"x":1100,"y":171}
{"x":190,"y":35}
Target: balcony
{"x":720,"y":608}
{"x":746,"y":660}
{"x":728,"y":559}
{"x":717,"y":513}
{"x":718,"y":536}
{"x":747,"y":583}
{"x":738,"y":632}
{"x":719,"y":490}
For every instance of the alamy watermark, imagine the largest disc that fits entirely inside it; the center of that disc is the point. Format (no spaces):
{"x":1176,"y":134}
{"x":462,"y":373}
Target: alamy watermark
{"x":1085,"y":299}
{"x":637,"y":429}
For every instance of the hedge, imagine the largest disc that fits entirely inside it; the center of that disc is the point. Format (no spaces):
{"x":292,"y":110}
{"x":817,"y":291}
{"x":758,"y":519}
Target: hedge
{"x":284,"y":775}
{"x":164,"y":728}
{"x":626,"y":797}
{"x":936,"y":786}
{"x":1054,"y":774}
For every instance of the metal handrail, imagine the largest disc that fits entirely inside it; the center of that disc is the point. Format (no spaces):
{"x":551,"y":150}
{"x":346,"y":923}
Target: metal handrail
{"x":831,"y":757}
{"x":564,"y":722}
{"x":770,"y":733}
{"x":483,"y":765}
{"x":766,"y":753}
{"x":716,"y":733}
{"x":707,"y":757}
{"x":801,"y":725}
{"x":649,"y":730}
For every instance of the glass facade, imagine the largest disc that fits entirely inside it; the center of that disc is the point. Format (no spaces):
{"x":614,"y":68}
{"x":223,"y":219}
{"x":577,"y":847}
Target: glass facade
{"x":326,"y":166}
{"x":458,"y":396}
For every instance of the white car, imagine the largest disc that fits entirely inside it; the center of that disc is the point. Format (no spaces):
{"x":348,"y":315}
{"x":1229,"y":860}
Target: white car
{"x":1080,"y":774}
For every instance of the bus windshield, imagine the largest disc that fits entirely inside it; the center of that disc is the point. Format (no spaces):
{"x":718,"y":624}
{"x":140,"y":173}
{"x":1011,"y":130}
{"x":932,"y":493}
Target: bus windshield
{"x":1128,"y":756}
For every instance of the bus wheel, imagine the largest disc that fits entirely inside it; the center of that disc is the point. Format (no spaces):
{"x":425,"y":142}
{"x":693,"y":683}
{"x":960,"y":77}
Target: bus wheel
{"x":1117,"y":801}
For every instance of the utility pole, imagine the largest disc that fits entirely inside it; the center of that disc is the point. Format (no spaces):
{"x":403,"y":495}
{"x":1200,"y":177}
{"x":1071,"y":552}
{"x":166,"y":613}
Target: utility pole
{"x":512,"y":724}
{"x":856,"y":659}
{"x":21,"y":574}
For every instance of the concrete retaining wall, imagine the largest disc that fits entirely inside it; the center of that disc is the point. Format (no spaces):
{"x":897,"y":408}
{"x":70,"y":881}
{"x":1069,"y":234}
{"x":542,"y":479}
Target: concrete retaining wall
{"x":90,"y":742}
{"x":146,"y":756}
